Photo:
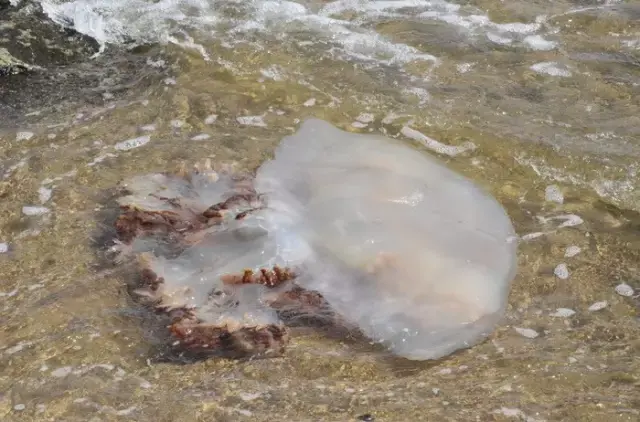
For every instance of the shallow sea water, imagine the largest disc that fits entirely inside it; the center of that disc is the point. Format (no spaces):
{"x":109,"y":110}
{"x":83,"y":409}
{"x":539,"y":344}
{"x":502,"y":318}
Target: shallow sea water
{"x":537,"y":101}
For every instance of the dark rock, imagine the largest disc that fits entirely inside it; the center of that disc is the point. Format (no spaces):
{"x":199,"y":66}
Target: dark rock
{"x":46,"y":68}
{"x":31,"y":38}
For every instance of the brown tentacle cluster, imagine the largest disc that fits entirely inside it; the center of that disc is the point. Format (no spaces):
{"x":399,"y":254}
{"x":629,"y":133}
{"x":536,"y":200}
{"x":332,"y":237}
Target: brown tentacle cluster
{"x":269,"y":278}
{"x":197,"y":336}
{"x":183,"y":226}
{"x":134,"y":222}
{"x":249,"y":200}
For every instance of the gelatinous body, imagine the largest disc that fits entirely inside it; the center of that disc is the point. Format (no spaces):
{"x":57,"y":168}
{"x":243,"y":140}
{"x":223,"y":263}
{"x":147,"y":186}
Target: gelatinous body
{"x":371,"y":234}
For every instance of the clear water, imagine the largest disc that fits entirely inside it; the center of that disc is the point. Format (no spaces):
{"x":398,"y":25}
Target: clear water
{"x":536,"y":101}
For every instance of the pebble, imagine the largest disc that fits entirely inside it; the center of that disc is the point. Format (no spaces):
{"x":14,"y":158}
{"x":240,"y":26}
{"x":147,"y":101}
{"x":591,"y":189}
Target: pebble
{"x":148,"y":128}
{"x":570,"y":220}
{"x":527,"y":332}
{"x":176,"y":124}
{"x":510,"y":412}
{"x":33,"y":211}
{"x":257,"y":121}
{"x":437,"y":146}
{"x":18,"y":347}
{"x":572,"y":251}
{"x":561,"y":271}
{"x":9,"y":294}
{"x":132,"y":143}
{"x":201,"y":137}
{"x":624,"y":289}
{"x":4,"y":247}
{"x":61,"y":372}
{"x":244,"y":412}
{"x":24,"y":136}
{"x":211,"y":119}
{"x":390,"y":118}
{"x":44,"y":194}
{"x":19,"y":407}
{"x":598,"y":306}
{"x":310,"y":102}
{"x":28,"y":233}
{"x":530,"y":236}
{"x":563,"y":313}
{"x":125,"y":412}
{"x":464,"y":67}
{"x":100,"y":159}
{"x":552,"y":193}
{"x":546,"y":68}
{"x":249,"y":396}
{"x":365,"y":118}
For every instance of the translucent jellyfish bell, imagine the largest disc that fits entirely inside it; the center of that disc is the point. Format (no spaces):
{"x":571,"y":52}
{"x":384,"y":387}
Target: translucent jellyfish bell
{"x":414,"y":254}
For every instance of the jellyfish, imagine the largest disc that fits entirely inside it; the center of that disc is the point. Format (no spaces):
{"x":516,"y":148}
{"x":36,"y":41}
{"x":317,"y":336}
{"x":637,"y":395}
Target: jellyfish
{"x":357,"y":230}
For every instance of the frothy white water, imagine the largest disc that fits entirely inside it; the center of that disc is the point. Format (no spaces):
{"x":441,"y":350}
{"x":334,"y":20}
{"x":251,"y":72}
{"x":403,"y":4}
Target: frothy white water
{"x":180,"y":21}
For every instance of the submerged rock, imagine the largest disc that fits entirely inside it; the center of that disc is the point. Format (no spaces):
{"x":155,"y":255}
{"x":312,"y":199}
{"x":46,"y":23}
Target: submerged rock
{"x":34,"y":40}
{"x":30,"y":40}
{"x":357,"y":231}
{"x":9,"y":65}
{"x":45,"y":66}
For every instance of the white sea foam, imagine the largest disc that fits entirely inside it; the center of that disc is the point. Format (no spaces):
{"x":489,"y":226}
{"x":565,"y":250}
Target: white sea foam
{"x":190,"y":23}
{"x":177,"y":21}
